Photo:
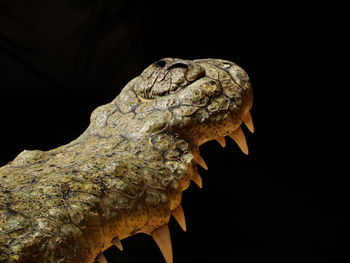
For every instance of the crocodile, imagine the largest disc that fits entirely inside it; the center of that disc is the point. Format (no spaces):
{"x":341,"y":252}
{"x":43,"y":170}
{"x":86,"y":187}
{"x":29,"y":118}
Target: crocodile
{"x":126,"y":172}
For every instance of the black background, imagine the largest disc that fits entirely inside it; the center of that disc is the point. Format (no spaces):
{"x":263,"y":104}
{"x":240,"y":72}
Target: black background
{"x":283,"y":203}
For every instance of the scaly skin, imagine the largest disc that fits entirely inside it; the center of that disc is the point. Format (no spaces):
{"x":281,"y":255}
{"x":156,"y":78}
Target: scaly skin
{"x":126,"y":173}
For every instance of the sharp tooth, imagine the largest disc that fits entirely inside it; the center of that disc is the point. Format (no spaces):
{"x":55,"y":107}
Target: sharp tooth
{"x":197,"y":179}
{"x":198,"y":159}
{"x":248,"y":121}
{"x":221,"y":140}
{"x":179,"y":215}
{"x":116,"y":241}
{"x":162,"y":237}
{"x":238,"y":136}
{"x":202,"y":163}
{"x":101,"y":258}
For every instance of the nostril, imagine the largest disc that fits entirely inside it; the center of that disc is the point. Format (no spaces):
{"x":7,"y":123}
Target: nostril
{"x":178,"y":65}
{"x":160,"y":63}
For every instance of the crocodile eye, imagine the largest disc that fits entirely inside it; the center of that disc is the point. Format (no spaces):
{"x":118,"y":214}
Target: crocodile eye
{"x":160,"y":63}
{"x":178,"y":65}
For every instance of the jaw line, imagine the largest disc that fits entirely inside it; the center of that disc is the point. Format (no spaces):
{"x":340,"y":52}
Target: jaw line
{"x":236,"y":134}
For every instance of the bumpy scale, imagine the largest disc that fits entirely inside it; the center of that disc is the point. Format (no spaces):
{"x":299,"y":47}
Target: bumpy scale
{"x":126,"y":173}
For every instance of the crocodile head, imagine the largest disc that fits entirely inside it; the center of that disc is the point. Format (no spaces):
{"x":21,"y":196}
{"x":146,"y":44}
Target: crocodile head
{"x":195,"y":101}
{"x":126,"y":173}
